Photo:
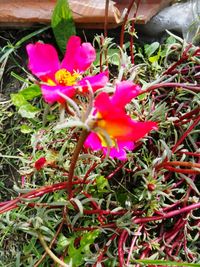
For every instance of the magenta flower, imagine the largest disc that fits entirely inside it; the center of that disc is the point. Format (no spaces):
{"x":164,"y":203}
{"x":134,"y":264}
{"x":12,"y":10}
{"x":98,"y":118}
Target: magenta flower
{"x":64,"y":77}
{"x":110,"y":117}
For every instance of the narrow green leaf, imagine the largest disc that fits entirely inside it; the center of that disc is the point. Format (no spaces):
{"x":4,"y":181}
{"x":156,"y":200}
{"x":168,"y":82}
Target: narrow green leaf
{"x":62,"y":23}
{"x":167,"y":263}
{"x":29,"y":36}
{"x":190,"y":182}
{"x":150,"y":49}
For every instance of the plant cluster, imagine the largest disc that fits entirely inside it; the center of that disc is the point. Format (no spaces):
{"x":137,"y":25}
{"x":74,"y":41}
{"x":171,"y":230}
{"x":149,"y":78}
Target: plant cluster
{"x":109,"y":167}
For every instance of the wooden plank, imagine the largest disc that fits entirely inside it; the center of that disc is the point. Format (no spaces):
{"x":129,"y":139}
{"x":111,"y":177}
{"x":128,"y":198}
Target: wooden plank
{"x":86,"y":13}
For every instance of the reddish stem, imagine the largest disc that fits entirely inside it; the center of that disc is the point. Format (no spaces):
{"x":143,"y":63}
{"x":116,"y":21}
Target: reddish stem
{"x":189,"y":153}
{"x":167,"y":215}
{"x":124,"y":23}
{"x":12,"y":204}
{"x":101,"y":256}
{"x":100,"y":217}
{"x":162,"y":85}
{"x":116,"y":170}
{"x":74,"y":159}
{"x":189,"y":114}
{"x":181,"y":60}
{"x":121,"y":242}
{"x":195,"y":123}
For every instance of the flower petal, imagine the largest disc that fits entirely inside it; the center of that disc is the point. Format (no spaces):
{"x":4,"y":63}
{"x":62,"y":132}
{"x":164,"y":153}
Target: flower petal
{"x":78,"y":57}
{"x":98,"y":81}
{"x":50,"y":93}
{"x":103,"y":104}
{"x":140,"y":129}
{"x":125,"y":92}
{"x":128,"y":145}
{"x":43,"y":60}
{"x":117,"y":123}
{"x":120,"y":152}
{"x":93,"y":142}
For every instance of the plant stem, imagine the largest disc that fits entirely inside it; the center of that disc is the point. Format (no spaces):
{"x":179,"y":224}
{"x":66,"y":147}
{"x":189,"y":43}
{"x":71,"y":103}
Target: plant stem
{"x":124,"y":23}
{"x":167,"y":215}
{"x":50,"y":253}
{"x":13,"y":204}
{"x":193,"y":87}
{"x":74,"y":159}
{"x":132,"y":244}
{"x":195,"y":123}
{"x":122,"y":240}
{"x":184,"y":57}
{"x":50,"y":246}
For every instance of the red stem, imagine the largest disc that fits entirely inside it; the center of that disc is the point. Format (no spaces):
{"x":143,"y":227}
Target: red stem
{"x":188,"y":153}
{"x":162,"y":85}
{"x":195,"y":123}
{"x":121,"y":242}
{"x":182,"y":59}
{"x":131,"y":35}
{"x":189,"y":114}
{"x":12,"y":204}
{"x":124,"y":23}
{"x":100,"y":257}
{"x":167,"y":215}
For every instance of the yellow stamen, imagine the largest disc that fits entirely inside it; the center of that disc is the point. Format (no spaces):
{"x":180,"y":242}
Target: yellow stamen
{"x":64,"y":77}
{"x":51,"y":82}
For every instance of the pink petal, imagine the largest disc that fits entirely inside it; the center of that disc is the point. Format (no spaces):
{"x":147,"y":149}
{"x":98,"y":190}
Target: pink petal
{"x":125,"y":92}
{"x":43,"y":59}
{"x":93,"y":142}
{"x":50,"y":93}
{"x":78,"y":57}
{"x":98,"y":81}
{"x":120,"y":152}
{"x":103,"y":104}
{"x":116,"y":153}
{"x":139,"y":130}
{"x":118,"y":124}
{"x":128,"y":145}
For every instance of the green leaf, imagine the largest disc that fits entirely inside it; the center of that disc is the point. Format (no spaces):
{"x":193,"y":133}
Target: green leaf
{"x":112,"y":54}
{"x":18,"y":100}
{"x":167,"y":263}
{"x":63,"y":242}
{"x":25,"y":129}
{"x":171,"y":40}
{"x":31,"y":92}
{"x":88,"y":239}
{"x":28,"y":111}
{"x":150,"y":49}
{"x":101,"y":183}
{"x":77,"y":255}
{"x":62,"y":23}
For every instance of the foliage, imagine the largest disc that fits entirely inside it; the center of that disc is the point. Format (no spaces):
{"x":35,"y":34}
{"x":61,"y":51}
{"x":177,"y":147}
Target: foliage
{"x":142,"y":211}
{"x":62,"y":23}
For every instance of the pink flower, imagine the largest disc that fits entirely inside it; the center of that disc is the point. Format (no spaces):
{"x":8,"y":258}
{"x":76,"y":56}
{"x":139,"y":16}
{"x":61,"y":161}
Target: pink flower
{"x":64,"y":77}
{"x":110,"y":117}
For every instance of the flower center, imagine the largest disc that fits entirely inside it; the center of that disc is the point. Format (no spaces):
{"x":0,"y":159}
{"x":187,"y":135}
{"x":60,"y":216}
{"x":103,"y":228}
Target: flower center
{"x":101,"y":123}
{"x":64,"y":77}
